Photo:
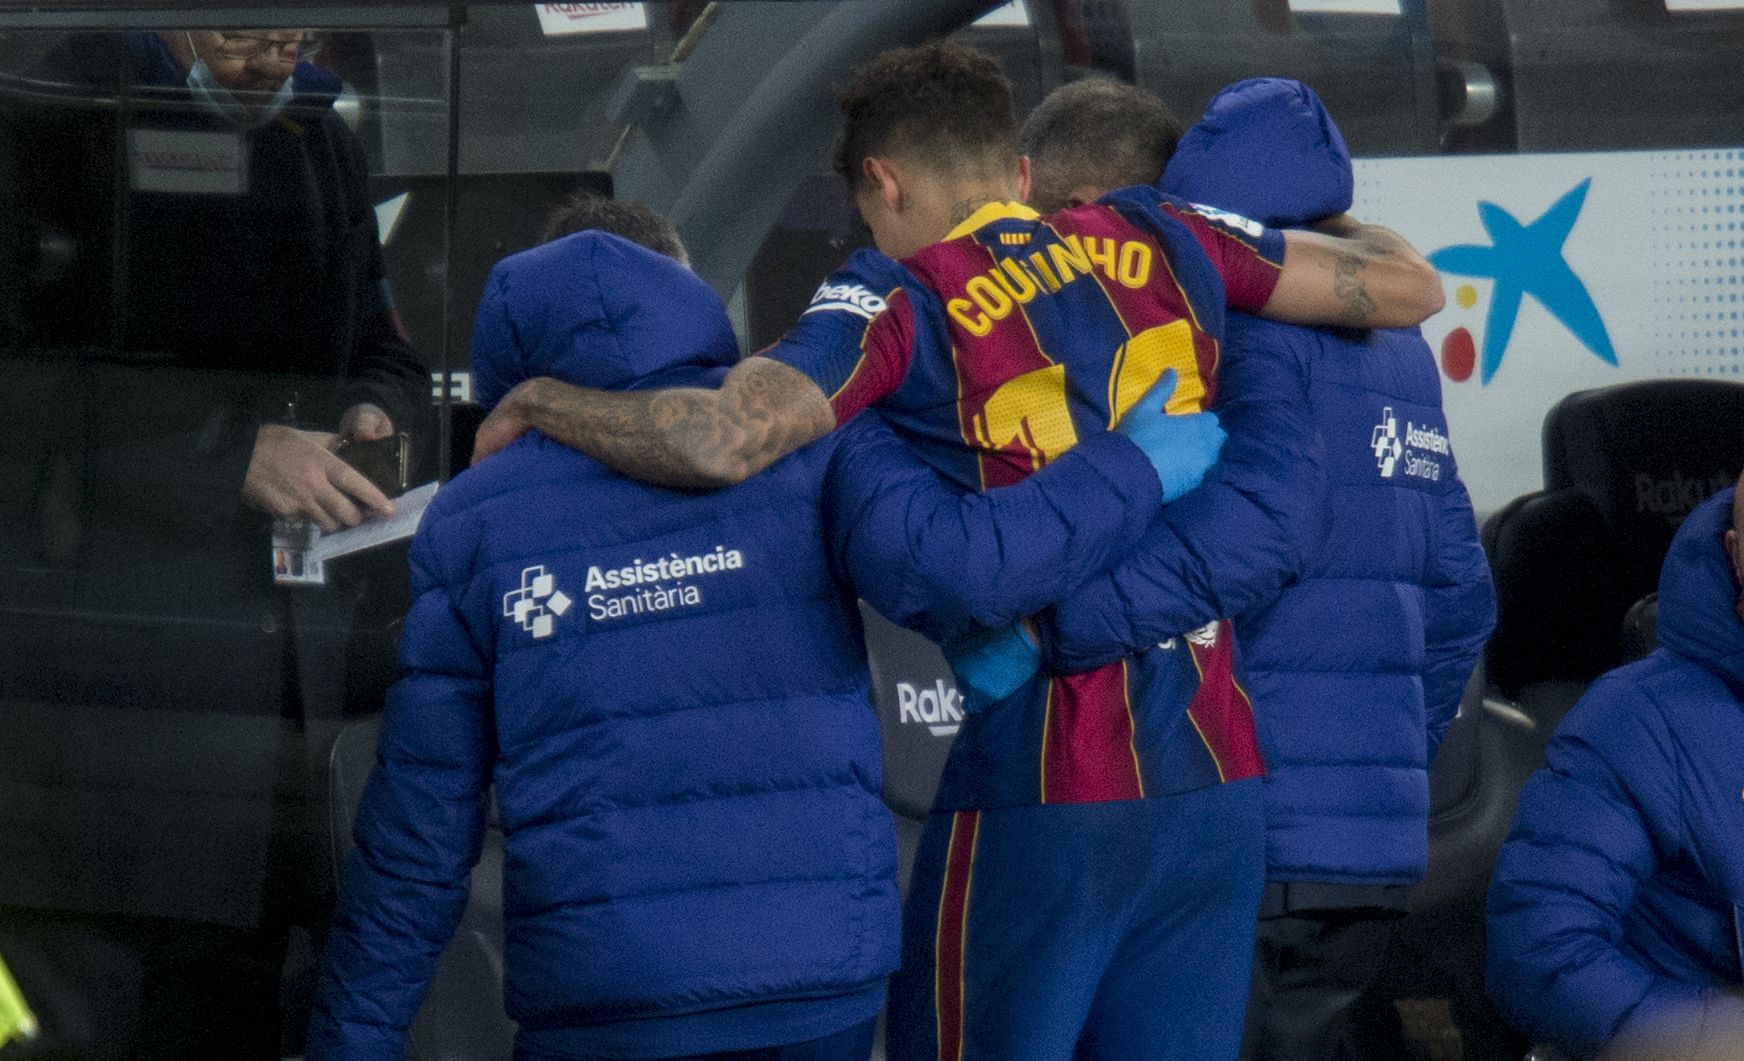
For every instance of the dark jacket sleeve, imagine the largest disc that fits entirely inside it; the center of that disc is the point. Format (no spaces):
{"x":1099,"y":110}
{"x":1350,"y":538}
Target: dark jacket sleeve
{"x":941,"y":560}
{"x":1579,"y":852}
{"x":1462,"y":612}
{"x":384,"y":369}
{"x":1231,"y":543}
{"x":419,"y":828}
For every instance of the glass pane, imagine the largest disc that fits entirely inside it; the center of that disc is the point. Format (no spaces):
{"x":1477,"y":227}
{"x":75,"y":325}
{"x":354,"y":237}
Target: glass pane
{"x":195,"y":310}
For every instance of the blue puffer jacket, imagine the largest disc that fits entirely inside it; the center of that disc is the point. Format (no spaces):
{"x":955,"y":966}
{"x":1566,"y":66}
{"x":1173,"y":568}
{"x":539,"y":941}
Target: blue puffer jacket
{"x":668,"y":692}
{"x":1356,"y":669}
{"x":689,"y":836}
{"x":1617,"y":901}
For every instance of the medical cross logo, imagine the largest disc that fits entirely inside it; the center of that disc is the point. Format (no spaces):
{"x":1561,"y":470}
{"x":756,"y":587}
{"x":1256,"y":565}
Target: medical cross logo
{"x":1384,"y":441}
{"x":538,"y":604}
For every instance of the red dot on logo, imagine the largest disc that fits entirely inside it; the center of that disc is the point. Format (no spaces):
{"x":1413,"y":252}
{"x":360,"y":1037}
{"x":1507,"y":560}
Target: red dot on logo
{"x":1459,"y":355}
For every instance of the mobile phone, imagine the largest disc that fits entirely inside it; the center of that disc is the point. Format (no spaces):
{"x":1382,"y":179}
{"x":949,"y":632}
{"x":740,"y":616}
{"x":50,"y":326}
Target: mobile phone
{"x":386,"y":462}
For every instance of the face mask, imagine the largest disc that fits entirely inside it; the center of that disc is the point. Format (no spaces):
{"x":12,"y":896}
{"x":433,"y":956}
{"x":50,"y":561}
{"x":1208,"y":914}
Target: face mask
{"x":219,"y":100}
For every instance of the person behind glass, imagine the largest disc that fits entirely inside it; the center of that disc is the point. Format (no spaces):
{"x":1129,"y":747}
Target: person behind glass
{"x":1616,"y":913}
{"x":196,"y":316}
{"x":264,"y":263}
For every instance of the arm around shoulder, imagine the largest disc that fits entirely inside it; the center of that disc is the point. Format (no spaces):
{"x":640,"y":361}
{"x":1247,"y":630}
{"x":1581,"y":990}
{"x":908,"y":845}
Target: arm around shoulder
{"x":1354,"y":275}
{"x":940,"y":559}
{"x":689,"y":437}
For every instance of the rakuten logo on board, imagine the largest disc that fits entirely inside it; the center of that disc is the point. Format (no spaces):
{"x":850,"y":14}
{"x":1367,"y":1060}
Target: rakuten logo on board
{"x":562,"y":19}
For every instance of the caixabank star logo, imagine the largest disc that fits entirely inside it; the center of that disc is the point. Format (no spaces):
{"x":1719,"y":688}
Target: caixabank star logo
{"x":1522,"y":260}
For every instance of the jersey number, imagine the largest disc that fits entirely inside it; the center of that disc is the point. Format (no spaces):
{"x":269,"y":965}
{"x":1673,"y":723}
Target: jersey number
{"x":1032,"y":411}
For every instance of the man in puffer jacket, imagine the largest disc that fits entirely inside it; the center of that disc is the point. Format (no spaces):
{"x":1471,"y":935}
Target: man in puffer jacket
{"x":1358,"y":667}
{"x":669,"y":693}
{"x":1618,"y":900}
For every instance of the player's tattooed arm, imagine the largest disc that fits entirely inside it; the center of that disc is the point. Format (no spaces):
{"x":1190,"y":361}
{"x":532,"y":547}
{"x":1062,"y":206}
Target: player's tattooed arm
{"x":1356,"y":275}
{"x":683,"y":436}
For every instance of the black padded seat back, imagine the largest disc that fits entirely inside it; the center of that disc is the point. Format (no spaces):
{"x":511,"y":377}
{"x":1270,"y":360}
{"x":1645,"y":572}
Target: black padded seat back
{"x":1455,"y":768}
{"x":1641,"y":628}
{"x":1623,"y":466}
{"x":919,"y":712}
{"x":348,"y":767}
{"x":1557,"y":606}
{"x":1646,"y":453}
{"x":462,"y":1015}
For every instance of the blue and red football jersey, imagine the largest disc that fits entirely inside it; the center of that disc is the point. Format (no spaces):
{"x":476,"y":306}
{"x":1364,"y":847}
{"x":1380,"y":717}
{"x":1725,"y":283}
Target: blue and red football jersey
{"x":995,"y":351}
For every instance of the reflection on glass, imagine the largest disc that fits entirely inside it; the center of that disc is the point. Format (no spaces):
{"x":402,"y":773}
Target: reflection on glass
{"x":194,"y":316}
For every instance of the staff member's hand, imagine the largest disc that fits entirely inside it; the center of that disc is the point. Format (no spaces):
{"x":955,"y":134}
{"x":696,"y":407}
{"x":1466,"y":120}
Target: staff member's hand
{"x":364,"y":422}
{"x":294,"y":475}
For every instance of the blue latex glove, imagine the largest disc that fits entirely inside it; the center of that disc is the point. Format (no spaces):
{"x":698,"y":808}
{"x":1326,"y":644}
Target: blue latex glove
{"x":990,"y":665}
{"x":1180,"y":448}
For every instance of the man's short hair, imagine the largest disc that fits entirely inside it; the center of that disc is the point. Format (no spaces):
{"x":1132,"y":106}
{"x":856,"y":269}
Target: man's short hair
{"x":1099,"y":133}
{"x":628,"y":218}
{"x":940,"y":104}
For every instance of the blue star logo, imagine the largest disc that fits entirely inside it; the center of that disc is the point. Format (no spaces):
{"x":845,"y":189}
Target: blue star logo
{"x":1527,"y":260}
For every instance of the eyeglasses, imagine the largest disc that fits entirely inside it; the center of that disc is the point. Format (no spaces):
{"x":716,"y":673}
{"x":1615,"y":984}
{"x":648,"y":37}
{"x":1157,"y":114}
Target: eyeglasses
{"x":252,"y":45}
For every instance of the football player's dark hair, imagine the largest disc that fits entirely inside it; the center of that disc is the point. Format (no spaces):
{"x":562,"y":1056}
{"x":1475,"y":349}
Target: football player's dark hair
{"x":940,"y":104}
{"x":1097,"y":132}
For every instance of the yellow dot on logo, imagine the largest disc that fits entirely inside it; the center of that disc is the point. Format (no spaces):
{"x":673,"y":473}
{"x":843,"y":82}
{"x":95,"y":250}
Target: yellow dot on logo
{"x":1466,"y":296}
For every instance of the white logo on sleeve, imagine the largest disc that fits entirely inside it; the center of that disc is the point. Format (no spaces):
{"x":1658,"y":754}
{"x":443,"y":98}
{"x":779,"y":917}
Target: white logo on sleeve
{"x":1245,"y":225}
{"x":538,"y":603}
{"x":1384,"y":441}
{"x":852,"y":298}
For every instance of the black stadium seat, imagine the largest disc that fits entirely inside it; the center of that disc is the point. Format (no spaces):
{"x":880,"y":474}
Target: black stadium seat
{"x":919,"y":713}
{"x":1641,"y":628}
{"x":1623,"y":465}
{"x":462,"y":1018}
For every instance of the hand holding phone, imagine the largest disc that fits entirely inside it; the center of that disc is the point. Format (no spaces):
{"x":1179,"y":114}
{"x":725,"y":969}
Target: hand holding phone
{"x":386,"y":462}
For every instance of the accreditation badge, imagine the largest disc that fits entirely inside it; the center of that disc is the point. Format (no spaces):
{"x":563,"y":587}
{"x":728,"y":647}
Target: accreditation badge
{"x":187,"y":162}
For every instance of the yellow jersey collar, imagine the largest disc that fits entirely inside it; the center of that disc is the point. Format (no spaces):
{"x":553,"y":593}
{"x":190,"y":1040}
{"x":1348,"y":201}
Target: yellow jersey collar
{"x":989,"y":213}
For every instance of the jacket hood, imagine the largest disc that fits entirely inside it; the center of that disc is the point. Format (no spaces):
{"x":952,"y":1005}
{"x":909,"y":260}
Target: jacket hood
{"x":597,"y":311}
{"x":1698,"y":598}
{"x":1268,"y":150}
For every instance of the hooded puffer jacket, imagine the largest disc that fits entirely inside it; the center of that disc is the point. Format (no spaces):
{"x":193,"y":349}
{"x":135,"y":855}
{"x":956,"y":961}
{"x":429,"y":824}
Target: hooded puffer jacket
{"x":668,"y":693}
{"x":1356,"y":669}
{"x":1617,"y":900}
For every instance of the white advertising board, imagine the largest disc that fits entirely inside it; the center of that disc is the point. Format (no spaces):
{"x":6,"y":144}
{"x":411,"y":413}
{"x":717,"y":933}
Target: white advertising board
{"x":1012,"y":14}
{"x":1345,"y":7}
{"x":1565,"y":272}
{"x":559,"y":20}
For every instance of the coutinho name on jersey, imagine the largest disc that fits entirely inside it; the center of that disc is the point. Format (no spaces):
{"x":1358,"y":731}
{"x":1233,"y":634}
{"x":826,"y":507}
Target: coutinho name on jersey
{"x":1017,"y":281}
